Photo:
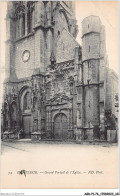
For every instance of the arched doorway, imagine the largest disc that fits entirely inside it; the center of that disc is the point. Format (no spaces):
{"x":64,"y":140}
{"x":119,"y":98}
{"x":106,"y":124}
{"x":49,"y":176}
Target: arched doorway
{"x":61,"y":127}
{"x":26,"y":104}
{"x":27,"y":126}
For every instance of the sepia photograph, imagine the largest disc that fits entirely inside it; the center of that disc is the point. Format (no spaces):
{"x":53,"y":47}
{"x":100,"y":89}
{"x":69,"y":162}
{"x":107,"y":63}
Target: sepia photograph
{"x":59,"y":95}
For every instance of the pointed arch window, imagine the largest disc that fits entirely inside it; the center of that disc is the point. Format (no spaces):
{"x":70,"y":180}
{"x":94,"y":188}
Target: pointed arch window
{"x":18,"y":28}
{"x":23,"y":24}
{"x":20,"y":19}
{"x":29,"y":21}
{"x":30,"y":8}
{"x":89,"y":48}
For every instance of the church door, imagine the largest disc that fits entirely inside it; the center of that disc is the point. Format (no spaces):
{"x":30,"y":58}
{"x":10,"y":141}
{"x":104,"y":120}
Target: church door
{"x":61,"y":127}
{"x":27,"y":126}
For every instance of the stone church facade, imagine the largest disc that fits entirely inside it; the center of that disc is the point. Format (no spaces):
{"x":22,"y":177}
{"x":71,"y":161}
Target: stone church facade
{"x":55,"y":88}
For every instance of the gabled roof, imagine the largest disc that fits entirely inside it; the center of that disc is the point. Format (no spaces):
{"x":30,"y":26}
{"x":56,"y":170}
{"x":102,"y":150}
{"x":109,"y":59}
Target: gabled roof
{"x":63,"y":30}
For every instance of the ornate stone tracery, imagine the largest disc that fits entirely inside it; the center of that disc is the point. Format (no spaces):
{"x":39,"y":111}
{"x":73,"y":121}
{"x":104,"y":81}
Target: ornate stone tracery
{"x":19,"y":9}
{"x":31,"y":5}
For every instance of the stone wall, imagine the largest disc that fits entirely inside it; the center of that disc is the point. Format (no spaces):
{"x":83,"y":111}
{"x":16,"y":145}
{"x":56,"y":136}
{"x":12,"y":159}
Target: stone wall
{"x":65,"y":47}
{"x":91,"y":46}
{"x":25,"y":69}
{"x":113,"y":89}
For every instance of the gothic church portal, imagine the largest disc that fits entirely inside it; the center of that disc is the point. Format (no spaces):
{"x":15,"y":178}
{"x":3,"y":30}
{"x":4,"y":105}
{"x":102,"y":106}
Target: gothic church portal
{"x":55,"y":88}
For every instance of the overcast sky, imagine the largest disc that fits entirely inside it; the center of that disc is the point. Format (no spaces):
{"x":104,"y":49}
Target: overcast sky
{"x":108,"y":13}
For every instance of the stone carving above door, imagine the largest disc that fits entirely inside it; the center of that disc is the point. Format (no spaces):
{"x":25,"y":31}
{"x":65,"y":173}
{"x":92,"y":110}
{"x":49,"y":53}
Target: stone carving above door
{"x":60,"y":99}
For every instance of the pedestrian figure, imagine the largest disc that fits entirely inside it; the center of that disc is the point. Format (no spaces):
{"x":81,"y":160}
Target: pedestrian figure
{"x":20,"y":134}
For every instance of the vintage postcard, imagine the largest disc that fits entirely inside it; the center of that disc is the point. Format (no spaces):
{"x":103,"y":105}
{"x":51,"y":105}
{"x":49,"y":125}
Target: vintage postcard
{"x":59,"y":95}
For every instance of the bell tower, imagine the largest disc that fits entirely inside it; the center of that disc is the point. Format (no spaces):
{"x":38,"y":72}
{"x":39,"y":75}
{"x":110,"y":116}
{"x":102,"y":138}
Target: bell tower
{"x":93,"y":58}
{"x":33,"y":28}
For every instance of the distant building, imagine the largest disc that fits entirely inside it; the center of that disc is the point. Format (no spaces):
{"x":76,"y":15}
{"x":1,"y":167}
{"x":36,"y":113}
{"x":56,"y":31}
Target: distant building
{"x":55,"y":88}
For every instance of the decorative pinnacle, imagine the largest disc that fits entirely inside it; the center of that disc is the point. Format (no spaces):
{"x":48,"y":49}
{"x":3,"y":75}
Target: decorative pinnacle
{"x":52,"y":58}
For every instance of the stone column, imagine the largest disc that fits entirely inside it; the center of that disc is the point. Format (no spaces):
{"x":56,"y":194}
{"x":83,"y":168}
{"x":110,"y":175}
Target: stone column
{"x":50,"y":123}
{"x":47,"y":120}
{"x":20,"y":25}
{"x":71,"y":119}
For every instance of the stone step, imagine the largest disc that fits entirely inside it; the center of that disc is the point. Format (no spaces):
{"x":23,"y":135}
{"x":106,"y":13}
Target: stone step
{"x":24,"y":140}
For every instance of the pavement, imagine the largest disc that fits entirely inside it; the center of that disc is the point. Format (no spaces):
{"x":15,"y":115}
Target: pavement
{"x":59,"y":165}
{"x":29,"y":143}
